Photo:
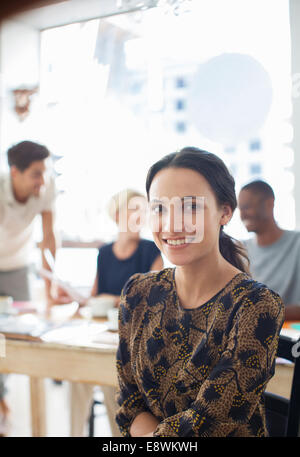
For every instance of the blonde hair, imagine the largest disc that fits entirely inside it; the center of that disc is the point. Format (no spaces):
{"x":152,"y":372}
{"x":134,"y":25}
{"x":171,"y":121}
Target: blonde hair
{"x":120,"y":200}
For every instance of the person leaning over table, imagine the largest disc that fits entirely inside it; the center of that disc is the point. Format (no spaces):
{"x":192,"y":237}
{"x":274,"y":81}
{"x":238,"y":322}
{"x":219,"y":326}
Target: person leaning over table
{"x":116,"y":262}
{"x":25,"y":192}
{"x":198,"y":341}
{"x":274,"y":253}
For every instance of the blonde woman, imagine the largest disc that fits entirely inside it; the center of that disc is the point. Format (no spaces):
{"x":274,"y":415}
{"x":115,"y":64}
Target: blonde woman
{"x":117,"y":262}
{"x":129,"y":253}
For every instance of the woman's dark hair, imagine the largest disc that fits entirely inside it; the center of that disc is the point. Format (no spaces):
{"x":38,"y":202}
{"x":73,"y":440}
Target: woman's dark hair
{"x":213,"y":169}
{"x":23,"y":154}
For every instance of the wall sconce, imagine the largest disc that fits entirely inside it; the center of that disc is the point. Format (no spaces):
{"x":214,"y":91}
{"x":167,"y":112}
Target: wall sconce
{"x":22,"y":99}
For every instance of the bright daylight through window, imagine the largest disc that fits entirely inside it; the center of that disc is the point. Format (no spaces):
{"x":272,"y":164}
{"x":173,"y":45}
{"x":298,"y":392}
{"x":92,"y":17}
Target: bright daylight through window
{"x":122,"y":91}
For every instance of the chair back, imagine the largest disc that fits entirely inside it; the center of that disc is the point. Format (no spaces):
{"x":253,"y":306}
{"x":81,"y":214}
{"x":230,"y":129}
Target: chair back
{"x":282,"y":414}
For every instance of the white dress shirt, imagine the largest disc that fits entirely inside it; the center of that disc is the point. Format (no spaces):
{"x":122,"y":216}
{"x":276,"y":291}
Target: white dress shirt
{"x":17,"y":222}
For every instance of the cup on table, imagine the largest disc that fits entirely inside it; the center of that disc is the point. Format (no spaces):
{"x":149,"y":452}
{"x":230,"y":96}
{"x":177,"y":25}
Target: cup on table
{"x":113,"y":318}
{"x":100,"y":305}
{"x":5,"y":304}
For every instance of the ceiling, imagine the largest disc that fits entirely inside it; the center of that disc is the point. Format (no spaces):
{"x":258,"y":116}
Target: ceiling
{"x":69,"y":11}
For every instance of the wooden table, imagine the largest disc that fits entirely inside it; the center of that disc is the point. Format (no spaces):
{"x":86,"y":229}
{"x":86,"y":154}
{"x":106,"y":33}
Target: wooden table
{"x":87,"y":363}
{"x":84,"y":362}
{"x":281,"y":382}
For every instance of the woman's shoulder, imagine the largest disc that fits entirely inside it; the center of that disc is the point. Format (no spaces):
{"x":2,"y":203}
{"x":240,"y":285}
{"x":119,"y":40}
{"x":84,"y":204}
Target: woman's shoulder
{"x":107,"y":247}
{"x":143,"y":290}
{"x":148,"y":244}
{"x":143,"y":282}
{"x":249,"y":291}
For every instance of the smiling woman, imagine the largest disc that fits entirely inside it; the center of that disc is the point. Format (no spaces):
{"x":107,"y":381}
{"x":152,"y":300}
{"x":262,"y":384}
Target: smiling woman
{"x":197,"y":342}
{"x":202,"y":181}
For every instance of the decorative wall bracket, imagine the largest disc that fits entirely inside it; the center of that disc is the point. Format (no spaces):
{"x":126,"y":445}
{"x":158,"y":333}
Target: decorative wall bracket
{"x":22,"y":98}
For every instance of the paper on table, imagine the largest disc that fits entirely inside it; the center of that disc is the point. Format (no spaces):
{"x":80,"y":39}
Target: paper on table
{"x":71,"y":291}
{"x":280,"y":361}
{"x":27,"y":326}
{"x":82,"y":333}
{"x":74,"y":331}
{"x":111,"y":338}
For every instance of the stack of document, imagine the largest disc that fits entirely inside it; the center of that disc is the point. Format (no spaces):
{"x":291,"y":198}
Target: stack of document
{"x":26,"y":327}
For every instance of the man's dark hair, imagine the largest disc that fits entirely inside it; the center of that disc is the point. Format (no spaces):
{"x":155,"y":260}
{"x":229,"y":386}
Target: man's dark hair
{"x":260,"y":187}
{"x":23,"y":154}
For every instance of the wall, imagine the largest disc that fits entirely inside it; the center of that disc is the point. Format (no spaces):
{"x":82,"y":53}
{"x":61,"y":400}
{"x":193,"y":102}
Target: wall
{"x":19,"y":67}
{"x":295,"y":71}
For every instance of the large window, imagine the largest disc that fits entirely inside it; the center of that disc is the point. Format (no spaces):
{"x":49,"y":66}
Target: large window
{"x":120,"y":92}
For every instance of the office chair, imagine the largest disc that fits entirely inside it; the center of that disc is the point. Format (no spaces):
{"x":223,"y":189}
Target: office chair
{"x":97,"y":401}
{"x":282,"y":414}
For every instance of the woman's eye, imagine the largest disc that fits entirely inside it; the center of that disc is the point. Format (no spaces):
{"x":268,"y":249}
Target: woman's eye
{"x":192,"y":207}
{"x":157,"y":209}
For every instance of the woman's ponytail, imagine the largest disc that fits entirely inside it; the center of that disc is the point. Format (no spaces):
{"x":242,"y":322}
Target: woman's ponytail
{"x":233,"y":251}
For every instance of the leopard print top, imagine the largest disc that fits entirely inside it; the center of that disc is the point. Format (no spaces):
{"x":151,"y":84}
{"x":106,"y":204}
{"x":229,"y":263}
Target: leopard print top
{"x":202,"y":371}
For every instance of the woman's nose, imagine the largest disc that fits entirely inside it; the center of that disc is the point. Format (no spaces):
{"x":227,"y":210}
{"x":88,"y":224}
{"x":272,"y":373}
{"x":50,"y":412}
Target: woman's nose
{"x":172,"y":221}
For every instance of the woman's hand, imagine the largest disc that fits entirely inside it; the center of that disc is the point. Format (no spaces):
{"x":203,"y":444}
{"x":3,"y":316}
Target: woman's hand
{"x":143,"y":425}
{"x":148,"y":435}
{"x":58,"y":297}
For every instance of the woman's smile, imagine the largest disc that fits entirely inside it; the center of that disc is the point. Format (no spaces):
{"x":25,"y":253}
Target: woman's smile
{"x":177,"y":243}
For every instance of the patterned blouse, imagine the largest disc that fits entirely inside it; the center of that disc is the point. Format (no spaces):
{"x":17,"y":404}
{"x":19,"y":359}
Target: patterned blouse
{"x":200,"y":372}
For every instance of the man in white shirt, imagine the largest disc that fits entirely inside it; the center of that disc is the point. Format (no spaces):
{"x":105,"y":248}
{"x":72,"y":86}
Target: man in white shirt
{"x":24,"y":193}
